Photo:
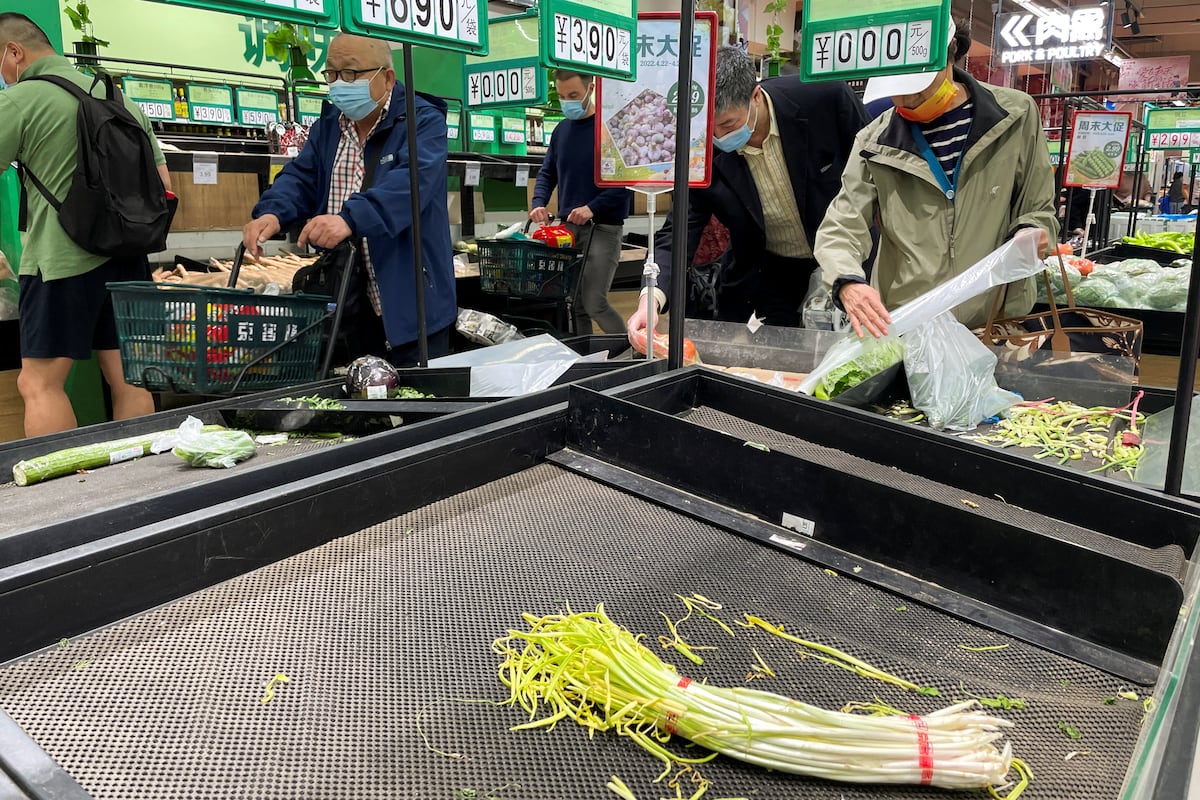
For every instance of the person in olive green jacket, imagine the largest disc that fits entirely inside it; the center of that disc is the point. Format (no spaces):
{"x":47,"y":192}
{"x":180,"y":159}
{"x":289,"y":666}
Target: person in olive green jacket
{"x":951,"y":173}
{"x":66,"y":312}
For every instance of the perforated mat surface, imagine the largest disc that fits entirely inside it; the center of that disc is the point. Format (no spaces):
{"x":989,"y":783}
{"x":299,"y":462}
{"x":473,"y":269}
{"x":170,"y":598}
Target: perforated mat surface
{"x":385,"y":635}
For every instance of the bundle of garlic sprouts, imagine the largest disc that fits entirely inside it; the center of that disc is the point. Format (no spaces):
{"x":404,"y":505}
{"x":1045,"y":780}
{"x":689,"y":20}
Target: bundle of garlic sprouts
{"x":585,"y":667}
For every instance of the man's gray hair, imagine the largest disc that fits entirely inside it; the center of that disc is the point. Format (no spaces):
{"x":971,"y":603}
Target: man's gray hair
{"x":21,"y":29}
{"x":735,"y":80}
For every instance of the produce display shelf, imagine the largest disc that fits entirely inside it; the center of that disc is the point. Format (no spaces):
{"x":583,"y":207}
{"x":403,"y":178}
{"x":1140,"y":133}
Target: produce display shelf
{"x":378,"y":587}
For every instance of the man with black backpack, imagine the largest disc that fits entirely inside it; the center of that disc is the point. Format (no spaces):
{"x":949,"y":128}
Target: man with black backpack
{"x":95,"y":185}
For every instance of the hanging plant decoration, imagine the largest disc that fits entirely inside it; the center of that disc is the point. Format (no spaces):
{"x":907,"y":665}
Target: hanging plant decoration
{"x":81,"y":20}
{"x":292,"y":45}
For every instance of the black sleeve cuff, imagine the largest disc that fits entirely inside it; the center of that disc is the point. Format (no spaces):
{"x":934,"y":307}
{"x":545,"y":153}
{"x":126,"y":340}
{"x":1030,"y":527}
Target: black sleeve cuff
{"x":841,"y":281}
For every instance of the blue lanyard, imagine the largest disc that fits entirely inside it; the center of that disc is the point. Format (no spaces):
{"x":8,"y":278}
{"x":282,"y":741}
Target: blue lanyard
{"x":939,"y":172}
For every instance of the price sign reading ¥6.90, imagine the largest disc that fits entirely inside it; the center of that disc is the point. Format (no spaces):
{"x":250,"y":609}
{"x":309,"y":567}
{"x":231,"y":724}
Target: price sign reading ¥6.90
{"x":446,"y":24}
{"x":635,"y":121}
{"x":1096,"y":158}
{"x":155,"y":98}
{"x":210,"y":104}
{"x":257,"y":107}
{"x":868,"y":38}
{"x":590,"y":36}
{"x":305,"y":12}
{"x":510,"y":74}
{"x":308,"y":108}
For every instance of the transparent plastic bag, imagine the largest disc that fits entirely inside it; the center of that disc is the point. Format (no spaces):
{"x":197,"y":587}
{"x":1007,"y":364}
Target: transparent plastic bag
{"x":513,"y":368}
{"x":952,"y":375}
{"x":201,"y":448}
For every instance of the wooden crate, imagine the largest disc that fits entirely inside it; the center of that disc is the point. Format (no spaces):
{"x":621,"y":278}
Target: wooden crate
{"x":224,"y":205}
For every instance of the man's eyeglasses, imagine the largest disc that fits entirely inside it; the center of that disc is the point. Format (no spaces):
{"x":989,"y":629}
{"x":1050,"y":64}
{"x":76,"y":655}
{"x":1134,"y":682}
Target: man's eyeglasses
{"x":346,"y":75}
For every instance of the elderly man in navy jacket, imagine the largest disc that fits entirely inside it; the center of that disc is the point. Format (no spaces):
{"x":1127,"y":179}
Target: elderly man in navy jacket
{"x":782,"y":147}
{"x":364,"y":136}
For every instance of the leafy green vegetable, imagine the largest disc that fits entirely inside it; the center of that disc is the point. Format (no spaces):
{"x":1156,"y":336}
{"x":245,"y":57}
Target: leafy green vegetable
{"x":408,"y":393}
{"x":1070,"y":730}
{"x":316,"y":402}
{"x":215,"y":448}
{"x":877,"y":355}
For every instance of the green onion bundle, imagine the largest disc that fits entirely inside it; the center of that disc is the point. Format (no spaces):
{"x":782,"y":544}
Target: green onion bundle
{"x":586,"y":667}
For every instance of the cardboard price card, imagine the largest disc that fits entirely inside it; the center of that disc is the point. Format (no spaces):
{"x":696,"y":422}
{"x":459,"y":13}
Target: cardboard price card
{"x":635,"y":121}
{"x":1096,"y":159}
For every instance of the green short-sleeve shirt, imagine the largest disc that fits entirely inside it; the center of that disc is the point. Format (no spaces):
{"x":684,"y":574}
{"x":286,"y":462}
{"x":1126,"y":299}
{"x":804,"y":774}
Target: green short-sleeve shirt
{"x":38,"y":128}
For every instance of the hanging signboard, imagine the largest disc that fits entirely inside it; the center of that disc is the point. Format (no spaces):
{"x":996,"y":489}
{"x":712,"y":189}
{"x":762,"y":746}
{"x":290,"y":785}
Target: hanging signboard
{"x":483,"y":128}
{"x":1037,"y":34}
{"x":1096,"y":158}
{"x":868,"y":38}
{"x":444,"y":24}
{"x":594,"y":37}
{"x":210,"y":104}
{"x":308,"y":108}
{"x":1055,"y":147}
{"x":635,"y":121}
{"x":257,"y":107}
{"x":323,"y":13}
{"x":1173,"y":128}
{"x":155,"y":98}
{"x":510,"y":74}
{"x":452,"y":118}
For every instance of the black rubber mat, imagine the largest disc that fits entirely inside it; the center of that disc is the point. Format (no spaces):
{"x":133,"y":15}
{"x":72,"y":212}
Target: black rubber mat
{"x":385,"y":638}
{"x":1169,"y":560}
{"x":64,"y":498}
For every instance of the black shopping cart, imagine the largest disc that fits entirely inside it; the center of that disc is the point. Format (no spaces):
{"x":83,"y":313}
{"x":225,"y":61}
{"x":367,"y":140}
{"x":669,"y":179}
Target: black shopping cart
{"x":220,"y":341}
{"x":534,"y":275}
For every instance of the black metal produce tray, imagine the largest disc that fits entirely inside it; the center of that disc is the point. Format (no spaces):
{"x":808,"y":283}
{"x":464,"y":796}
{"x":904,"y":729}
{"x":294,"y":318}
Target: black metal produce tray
{"x":70,"y":511}
{"x":378,"y":587}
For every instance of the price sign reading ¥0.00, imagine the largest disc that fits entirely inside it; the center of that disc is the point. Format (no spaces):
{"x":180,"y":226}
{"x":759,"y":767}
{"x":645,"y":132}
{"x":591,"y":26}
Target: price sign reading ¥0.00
{"x":592,"y":37}
{"x":868,"y":38}
{"x":445,"y":24}
{"x":308,"y":108}
{"x":155,"y":98}
{"x":210,"y":104}
{"x":510,"y":74}
{"x":305,"y":12}
{"x":257,"y":107}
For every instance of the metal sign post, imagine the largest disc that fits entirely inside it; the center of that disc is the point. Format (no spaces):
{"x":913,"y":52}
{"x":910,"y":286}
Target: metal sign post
{"x":847,"y":41}
{"x":1184,"y":390}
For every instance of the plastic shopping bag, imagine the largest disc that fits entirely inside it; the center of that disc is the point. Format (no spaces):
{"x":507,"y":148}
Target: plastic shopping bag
{"x":952,"y":375}
{"x":201,"y":448}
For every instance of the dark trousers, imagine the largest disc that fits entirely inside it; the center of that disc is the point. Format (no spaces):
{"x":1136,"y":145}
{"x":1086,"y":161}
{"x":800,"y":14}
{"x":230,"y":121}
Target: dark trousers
{"x":773,"y":290}
{"x":364,"y":336}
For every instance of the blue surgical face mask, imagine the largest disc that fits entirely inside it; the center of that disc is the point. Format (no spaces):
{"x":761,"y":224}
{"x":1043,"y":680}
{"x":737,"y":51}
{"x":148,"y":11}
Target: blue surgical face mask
{"x":354,"y":98}
{"x":575,"y":109}
{"x":736,"y":140}
{"x":3,"y":83}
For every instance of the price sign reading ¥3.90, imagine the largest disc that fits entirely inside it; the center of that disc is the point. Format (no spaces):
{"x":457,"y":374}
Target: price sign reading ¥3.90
{"x":257,"y":107}
{"x":155,"y":98}
{"x":510,"y":75}
{"x":305,"y":12}
{"x":446,"y":24}
{"x":308,"y":108}
{"x":210,"y":104}
{"x":594,"y":37}
{"x":868,"y":38}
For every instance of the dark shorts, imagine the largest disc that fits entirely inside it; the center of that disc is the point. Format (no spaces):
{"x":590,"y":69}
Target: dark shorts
{"x":71,"y":317}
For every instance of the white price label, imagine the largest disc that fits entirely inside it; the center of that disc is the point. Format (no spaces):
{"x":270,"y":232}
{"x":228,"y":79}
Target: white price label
{"x":157,"y":110}
{"x":374,"y":12}
{"x":377,"y":392}
{"x":529,"y":83}
{"x":920,"y":42}
{"x":316,"y":6}
{"x":822,"y":53}
{"x":423,"y":17}
{"x":204,"y":169}
{"x":471,"y":178}
{"x":468,"y":21}
{"x":622,"y":49}
{"x":127,"y":454}
{"x":523,"y":175}
{"x":514,"y":137}
{"x":212,"y":114}
{"x":562,"y":36}
{"x":872,"y":47}
{"x":250,"y":117}
{"x":892,"y":52}
{"x":450,"y":20}
{"x":399,"y":15}
{"x":500,"y":84}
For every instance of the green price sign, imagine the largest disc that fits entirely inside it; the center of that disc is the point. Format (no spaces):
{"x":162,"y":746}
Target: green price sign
{"x":308,"y":108}
{"x":511,"y":74}
{"x":1055,"y":148}
{"x":548,"y":126}
{"x":512,"y":130}
{"x":256,"y":107}
{"x":210,"y":104}
{"x":848,"y":41}
{"x":595,"y":37}
{"x":452,"y":121}
{"x":155,"y":98}
{"x":1173,"y":128}
{"x":445,"y":24}
{"x":306,"y":12}
{"x":483,"y":128}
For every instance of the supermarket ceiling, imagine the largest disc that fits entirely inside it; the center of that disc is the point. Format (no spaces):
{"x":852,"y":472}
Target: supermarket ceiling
{"x":1156,"y":27}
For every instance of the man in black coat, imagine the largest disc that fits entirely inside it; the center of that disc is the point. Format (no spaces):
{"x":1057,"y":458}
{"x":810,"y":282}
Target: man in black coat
{"x":781,"y":148}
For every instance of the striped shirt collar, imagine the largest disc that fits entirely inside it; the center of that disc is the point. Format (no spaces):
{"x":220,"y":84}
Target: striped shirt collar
{"x":750,"y":150}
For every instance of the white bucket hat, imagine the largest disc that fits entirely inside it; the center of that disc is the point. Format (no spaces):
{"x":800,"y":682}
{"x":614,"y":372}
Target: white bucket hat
{"x":908,"y":83}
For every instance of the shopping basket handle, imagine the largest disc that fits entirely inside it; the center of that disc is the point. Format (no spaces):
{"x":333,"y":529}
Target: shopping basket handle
{"x":237,"y":265}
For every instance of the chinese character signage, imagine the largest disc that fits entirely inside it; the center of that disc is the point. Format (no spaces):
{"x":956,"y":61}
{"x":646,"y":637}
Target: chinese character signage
{"x":257,"y":107}
{"x":210,"y":104}
{"x":868,"y":38}
{"x":446,"y":24}
{"x":156,"y":98}
{"x":635,"y":121}
{"x":1037,"y":34}
{"x":510,"y":75}
{"x":589,"y":36}
{"x":1096,"y":158}
{"x":262,"y":331}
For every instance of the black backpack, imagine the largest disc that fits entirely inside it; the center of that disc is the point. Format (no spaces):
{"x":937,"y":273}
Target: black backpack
{"x":116,"y":205}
